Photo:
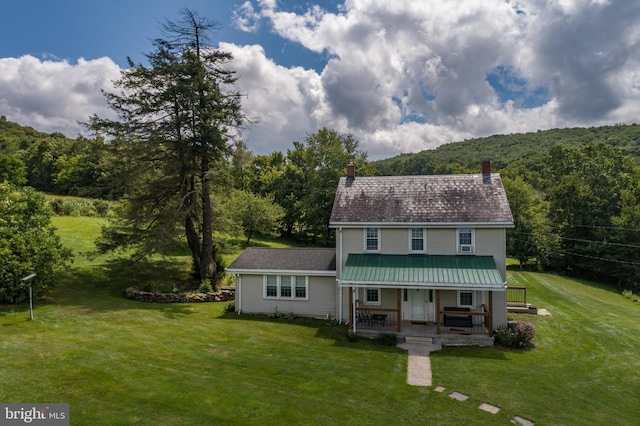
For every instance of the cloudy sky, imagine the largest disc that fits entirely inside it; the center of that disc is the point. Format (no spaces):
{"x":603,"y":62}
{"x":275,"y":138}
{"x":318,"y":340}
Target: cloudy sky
{"x":401,"y":75}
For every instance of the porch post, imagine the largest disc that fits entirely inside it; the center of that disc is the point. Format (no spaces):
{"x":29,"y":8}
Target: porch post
{"x":353,"y":308}
{"x":399,"y":312}
{"x":490,"y":322}
{"x":438,"y":311}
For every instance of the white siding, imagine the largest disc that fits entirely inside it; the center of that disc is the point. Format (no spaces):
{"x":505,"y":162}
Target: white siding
{"x":388,"y":299}
{"x":493,"y":242}
{"x":395,"y":241}
{"x":441,"y":241}
{"x":499,"y":308}
{"x":322,"y":298}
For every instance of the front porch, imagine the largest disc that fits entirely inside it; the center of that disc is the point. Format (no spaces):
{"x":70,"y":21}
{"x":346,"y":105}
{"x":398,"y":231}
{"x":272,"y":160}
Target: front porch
{"x":412,"y":332}
{"x":447,"y":319}
{"x":444,"y":298}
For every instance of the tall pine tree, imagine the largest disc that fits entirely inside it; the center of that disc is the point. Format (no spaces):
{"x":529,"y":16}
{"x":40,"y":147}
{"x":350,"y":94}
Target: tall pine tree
{"x":176,"y":117}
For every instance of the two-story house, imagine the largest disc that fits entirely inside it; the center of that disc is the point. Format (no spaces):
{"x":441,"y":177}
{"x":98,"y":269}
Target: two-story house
{"x":409,"y":250}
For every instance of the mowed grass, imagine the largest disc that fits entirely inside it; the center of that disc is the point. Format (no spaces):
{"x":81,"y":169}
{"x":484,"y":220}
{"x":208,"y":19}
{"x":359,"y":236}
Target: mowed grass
{"x":117,"y":361}
{"x":583,"y":369}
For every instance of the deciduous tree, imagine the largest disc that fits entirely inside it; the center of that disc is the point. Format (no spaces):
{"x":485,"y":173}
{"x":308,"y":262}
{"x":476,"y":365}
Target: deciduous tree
{"x":28,"y":244}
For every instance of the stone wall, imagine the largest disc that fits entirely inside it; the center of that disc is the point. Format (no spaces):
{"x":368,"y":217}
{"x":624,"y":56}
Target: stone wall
{"x":226,"y":294}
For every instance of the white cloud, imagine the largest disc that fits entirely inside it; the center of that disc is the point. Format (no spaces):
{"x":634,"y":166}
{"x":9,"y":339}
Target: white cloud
{"x":53,"y":96}
{"x":407,"y":75}
{"x":282,"y":104}
{"x":400,"y":75}
{"x":245,"y":18}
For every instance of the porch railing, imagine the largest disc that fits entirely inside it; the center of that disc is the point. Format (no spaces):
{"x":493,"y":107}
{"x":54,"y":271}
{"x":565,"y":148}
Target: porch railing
{"x":516,"y":296}
{"x":458,"y":321}
{"x":377,"y":319}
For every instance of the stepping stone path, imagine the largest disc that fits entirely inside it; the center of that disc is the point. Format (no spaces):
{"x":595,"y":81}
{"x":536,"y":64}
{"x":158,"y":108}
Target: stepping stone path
{"x":419,"y":374}
{"x":459,"y":396}
{"x":489,"y":408}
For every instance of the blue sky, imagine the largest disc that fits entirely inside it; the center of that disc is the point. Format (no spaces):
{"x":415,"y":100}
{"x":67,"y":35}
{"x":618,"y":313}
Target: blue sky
{"x":70,"y":29}
{"x":400,"y":76}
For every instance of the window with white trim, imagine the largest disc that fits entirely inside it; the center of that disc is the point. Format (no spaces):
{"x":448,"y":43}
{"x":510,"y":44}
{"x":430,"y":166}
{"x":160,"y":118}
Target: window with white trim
{"x":417,"y":240}
{"x":465,"y":240}
{"x":372,"y":239}
{"x":271,"y":286}
{"x":301,"y":287}
{"x":372,"y":296}
{"x":465,"y":298}
{"x":286,"y":287}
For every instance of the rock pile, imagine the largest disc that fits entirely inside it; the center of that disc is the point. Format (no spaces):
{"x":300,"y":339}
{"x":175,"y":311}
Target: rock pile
{"x":224,"y":295}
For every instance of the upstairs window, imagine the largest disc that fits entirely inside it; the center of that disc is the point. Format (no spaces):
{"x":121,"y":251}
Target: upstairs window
{"x":372,"y":240}
{"x":417,"y":240}
{"x":466,"y":241}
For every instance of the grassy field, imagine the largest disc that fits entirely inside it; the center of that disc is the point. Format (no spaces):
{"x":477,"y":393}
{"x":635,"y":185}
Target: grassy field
{"x":117,"y":361}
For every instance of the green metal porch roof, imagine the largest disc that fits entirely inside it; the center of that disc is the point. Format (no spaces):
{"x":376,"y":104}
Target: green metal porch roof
{"x":428,"y":271}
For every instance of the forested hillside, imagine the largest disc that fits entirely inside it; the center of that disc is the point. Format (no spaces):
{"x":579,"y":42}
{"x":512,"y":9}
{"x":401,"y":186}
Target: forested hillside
{"x":504,"y":150}
{"x":574,"y":193}
{"x":54,"y":163}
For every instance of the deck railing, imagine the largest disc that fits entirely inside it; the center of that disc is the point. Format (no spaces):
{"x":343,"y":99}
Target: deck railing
{"x":516,"y":296}
{"x":465,"y":322}
{"x":377,"y":319}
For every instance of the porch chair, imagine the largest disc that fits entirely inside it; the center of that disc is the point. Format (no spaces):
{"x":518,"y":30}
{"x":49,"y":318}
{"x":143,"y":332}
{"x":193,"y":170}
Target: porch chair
{"x":363,"y":317}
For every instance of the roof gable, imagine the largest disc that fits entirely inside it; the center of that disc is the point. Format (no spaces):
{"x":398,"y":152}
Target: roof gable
{"x":433,"y":199}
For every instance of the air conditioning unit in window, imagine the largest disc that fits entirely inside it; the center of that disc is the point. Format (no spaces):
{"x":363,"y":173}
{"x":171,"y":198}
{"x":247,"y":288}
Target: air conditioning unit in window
{"x":466,"y":248}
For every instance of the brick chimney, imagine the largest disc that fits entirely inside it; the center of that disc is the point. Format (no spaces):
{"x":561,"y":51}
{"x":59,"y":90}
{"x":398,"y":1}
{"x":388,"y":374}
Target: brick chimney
{"x":351,"y":171}
{"x":486,"y":171}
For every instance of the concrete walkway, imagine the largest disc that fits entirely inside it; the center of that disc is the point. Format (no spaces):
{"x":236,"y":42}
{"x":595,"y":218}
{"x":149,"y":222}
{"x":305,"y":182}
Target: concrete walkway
{"x":419,"y":368}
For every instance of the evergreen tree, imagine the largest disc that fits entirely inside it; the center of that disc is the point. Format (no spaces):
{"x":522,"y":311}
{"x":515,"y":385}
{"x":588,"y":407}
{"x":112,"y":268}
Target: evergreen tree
{"x":176,"y":120}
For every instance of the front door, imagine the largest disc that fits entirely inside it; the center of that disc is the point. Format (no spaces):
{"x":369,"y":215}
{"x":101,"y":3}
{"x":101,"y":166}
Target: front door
{"x":418,"y":304}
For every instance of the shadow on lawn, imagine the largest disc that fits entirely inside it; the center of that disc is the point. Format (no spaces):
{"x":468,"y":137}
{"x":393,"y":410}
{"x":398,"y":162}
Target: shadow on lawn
{"x":325,"y":329}
{"x":100,"y":288}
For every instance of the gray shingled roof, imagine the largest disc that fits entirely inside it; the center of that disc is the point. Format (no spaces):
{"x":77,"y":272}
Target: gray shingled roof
{"x":285,"y":259}
{"x":434,"y":199}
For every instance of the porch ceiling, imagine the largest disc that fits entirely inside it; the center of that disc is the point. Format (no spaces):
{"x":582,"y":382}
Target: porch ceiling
{"x":422,"y":271}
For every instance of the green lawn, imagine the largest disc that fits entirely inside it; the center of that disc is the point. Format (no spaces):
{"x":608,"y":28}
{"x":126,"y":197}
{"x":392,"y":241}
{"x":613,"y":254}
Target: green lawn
{"x":117,"y":361}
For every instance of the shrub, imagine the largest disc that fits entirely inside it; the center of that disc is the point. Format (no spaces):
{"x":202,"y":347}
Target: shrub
{"x":275,"y":313}
{"x":387,"y":339}
{"x":352,"y":337}
{"x":517,"y":334}
{"x":629,"y":294}
{"x":205,"y":287}
{"x":230,"y":308}
{"x":102,"y":207}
